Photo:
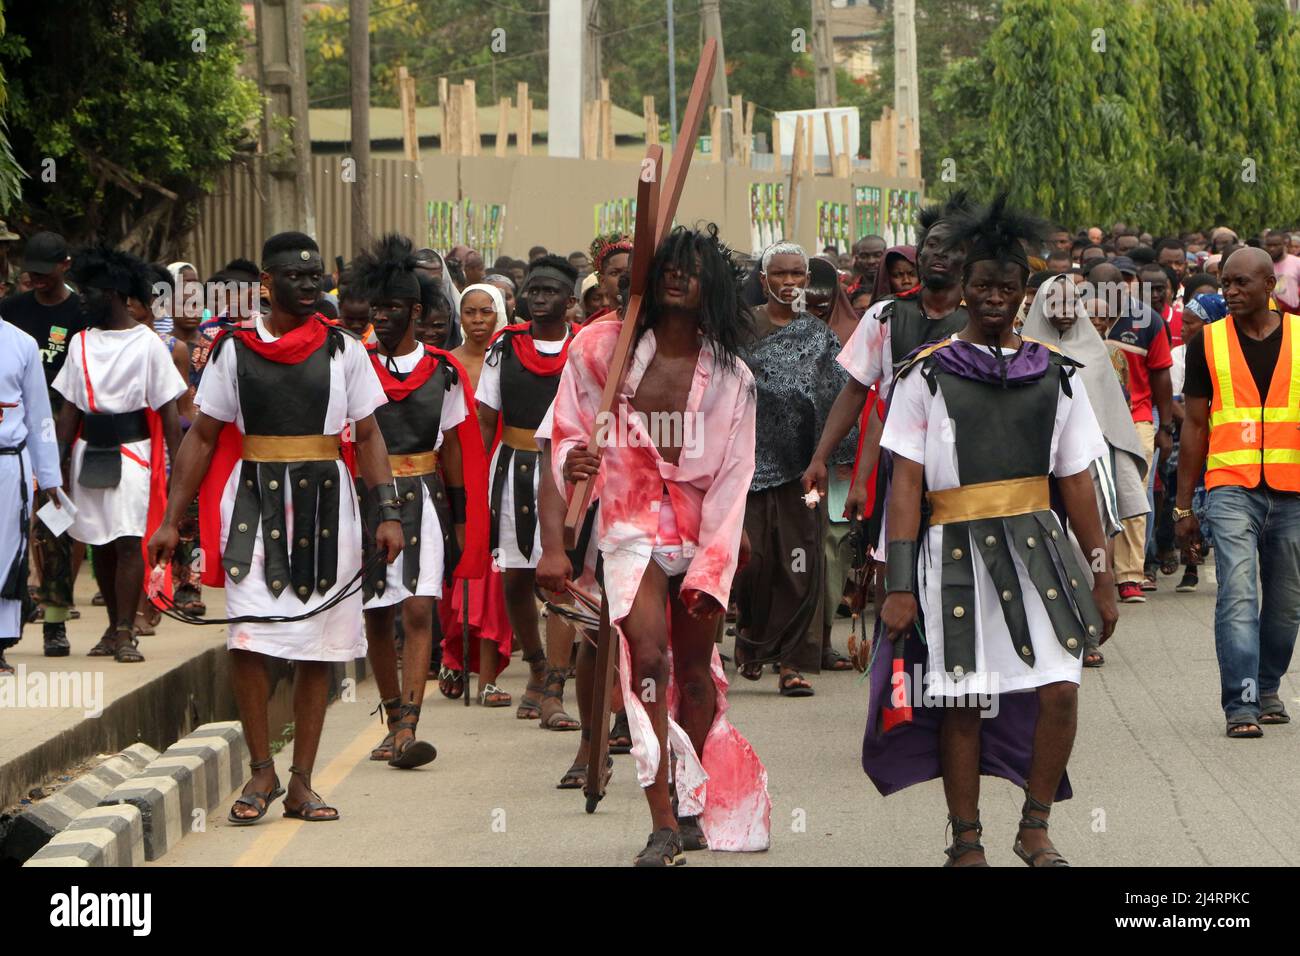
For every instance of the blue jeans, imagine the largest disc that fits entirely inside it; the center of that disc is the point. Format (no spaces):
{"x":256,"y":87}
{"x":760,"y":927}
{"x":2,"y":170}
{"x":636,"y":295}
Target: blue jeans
{"x":1257,"y":612}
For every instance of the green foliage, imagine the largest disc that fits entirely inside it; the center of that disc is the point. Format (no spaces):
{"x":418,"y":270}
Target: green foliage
{"x":134,"y":88}
{"x":1172,"y":114}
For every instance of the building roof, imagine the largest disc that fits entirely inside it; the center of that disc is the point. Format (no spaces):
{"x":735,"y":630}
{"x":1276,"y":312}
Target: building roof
{"x":335,"y":125}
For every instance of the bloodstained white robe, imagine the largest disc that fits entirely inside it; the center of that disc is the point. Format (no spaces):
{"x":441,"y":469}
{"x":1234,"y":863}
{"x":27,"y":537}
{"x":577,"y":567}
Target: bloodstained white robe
{"x":708,"y":486}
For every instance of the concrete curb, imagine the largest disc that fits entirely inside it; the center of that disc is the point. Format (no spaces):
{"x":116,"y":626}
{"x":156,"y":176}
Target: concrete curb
{"x":101,"y":836}
{"x":158,"y":798}
{"x":41,"y":823}
{"x":141,"y":802}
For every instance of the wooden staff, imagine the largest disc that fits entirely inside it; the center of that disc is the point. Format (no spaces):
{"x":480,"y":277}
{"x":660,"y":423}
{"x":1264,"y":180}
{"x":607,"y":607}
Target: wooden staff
{"x":654,"y":216}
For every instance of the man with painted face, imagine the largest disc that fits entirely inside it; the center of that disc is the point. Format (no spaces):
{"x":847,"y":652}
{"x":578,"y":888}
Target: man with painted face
{"x":424,"y":424}
{"x":669,"y":530}
{"x":520,"y":375}
{"x":278,"y":516}
{"x":868,"y":253}
{"x":120,"y":389}
{"x":779,"y":601}
{"x":889,"y":331}
{"x":989,"y":603}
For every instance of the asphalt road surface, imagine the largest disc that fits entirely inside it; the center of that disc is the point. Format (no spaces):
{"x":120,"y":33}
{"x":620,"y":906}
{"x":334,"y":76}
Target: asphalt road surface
{"x":1156,"y":781}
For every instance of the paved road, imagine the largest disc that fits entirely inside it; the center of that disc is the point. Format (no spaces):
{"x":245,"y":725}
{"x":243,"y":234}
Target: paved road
{"x":1156,"y":781}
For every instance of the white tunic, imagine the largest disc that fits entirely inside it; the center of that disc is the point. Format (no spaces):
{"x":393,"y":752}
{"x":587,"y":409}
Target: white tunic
{"x":868,"y":354}
{"x":918,"y":428}
{"x":336,"y":634}
{"x":22,"y":384}
{"x":508,"y":554}
{"x":429,"y":583}
{"x":129,"y":370}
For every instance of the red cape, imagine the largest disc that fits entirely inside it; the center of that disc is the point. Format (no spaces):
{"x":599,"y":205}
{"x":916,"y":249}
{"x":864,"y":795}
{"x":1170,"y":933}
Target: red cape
{"x":473,"y":562}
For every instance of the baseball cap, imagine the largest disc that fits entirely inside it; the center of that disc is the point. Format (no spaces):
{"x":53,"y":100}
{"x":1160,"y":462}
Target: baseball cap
{"x":1125,"y":265}
{"x":44,"y":252}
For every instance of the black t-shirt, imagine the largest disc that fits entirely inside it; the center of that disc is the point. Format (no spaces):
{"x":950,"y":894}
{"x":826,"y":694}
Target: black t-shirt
{"x":1261,"y":357}
{"x":52,"y":326}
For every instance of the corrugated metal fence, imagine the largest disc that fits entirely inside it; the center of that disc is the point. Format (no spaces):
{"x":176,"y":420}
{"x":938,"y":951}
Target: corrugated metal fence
{"x":230,"y":223}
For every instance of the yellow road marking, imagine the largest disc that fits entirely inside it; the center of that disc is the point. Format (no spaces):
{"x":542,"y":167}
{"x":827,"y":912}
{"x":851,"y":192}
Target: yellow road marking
{"x":275,"y":838}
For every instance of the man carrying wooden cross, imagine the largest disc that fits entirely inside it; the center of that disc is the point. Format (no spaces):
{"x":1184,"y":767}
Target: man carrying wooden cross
{"x":677,"y":458}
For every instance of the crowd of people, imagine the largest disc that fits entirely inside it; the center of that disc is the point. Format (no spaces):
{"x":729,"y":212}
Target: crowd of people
{"x":989,"y":438}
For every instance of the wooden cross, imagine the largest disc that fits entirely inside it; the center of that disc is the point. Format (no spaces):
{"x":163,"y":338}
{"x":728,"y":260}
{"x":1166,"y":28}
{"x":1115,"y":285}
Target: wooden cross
{"x":655,"y":210}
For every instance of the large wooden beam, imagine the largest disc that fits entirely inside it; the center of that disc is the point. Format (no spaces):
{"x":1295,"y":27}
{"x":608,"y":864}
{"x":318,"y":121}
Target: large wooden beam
{"x":686,"y":137}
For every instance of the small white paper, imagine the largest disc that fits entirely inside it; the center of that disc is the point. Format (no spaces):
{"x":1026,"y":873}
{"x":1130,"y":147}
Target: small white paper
{"x":58,"y":520}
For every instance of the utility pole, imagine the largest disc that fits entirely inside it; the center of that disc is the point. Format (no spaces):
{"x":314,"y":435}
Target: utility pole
{"x":711,"y":24}
{"x":906,"y":105}
{"x":359,"y":65}
{"x":591,"y":53}
{"x":823,"y":54}
{"x":564,"y":78}
{"x":286,"y":137}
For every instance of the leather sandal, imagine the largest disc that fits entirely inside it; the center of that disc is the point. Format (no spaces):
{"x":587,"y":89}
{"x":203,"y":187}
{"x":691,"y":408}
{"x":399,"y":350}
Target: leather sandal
{"x":1272,"y":710}
{"x":530,"y":705}
{"x":1027,"y":822}
{"x":664,"y":848}
{"x":384,"y":751}
{"x":126,"y":649}
{"x":259,"y":800}
{"x":105,"y":646}
{"x":412,"y":753}
{"x":620,"y":735}
{"x":558,"y":720}
{"x":306,"y":809}
{"x":960,"y":847}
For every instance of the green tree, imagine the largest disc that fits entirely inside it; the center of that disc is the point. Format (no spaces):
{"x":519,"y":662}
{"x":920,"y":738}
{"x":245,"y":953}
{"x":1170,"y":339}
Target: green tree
{"x":948,"y":32}
{"x":1172,"y":114}
{"x":124,"y":114}
{"x":11,"y":174}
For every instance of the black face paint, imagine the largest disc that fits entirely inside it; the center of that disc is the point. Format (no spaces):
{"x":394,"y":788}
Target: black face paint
{"x":97,"y":306}
{"x":391,"y":318}
{"x":296,"y":281}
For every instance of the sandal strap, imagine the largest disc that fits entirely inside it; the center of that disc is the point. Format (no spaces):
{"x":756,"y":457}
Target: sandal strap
{"x":300,"y":772}
{"x":960,"y":847}
{"x":409,"y":717}
{"x":554,"y":676}
{"x":1033,"y":823}
{"x":535,"y":657}
{"x":392,"y":703}
{"x":262,"y":764}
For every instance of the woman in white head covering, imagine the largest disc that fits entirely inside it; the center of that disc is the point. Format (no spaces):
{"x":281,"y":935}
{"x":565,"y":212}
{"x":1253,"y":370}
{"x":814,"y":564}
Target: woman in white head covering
{"x":1058,"y":318}
{"x":480,"y":314}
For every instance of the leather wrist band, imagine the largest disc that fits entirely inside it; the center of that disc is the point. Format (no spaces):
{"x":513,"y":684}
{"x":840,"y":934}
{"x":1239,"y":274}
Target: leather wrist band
{"x":900,"y":567}
{"x":390,"y":511}
{"x":456,"y":499}
{"x":385,"y":493}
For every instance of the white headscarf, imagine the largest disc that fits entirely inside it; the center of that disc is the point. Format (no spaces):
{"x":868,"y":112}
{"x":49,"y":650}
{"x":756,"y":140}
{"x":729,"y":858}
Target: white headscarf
{"x":498,"y":305}
{"x":1082,"y":343}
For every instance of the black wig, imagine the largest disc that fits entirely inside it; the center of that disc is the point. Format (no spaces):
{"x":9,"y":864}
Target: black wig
{"x":724,"y":319}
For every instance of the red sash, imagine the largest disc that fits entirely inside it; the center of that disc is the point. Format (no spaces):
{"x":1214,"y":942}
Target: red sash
{"x":526,"y":350}
{"x":157,"y":465}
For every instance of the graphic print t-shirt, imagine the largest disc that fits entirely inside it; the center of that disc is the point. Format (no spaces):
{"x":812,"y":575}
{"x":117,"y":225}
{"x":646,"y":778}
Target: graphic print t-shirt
{"x":52,"y":326}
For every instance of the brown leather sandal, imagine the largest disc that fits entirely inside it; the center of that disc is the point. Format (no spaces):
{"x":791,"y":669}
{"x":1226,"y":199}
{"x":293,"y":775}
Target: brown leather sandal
{"x":308,"y":808}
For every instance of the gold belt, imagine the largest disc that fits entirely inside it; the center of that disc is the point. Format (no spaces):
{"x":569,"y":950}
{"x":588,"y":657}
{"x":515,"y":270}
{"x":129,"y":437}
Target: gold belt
{"x":290,"y":447}
{"x":521,"y":439}
{"x":410,"y":466}
{"x":990,"y":499}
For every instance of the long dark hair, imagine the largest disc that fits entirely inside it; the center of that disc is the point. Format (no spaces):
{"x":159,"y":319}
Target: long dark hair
{"x":724,"y":319}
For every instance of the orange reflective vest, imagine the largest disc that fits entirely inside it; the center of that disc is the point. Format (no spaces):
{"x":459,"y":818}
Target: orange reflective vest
{"x":1250,"y":439}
